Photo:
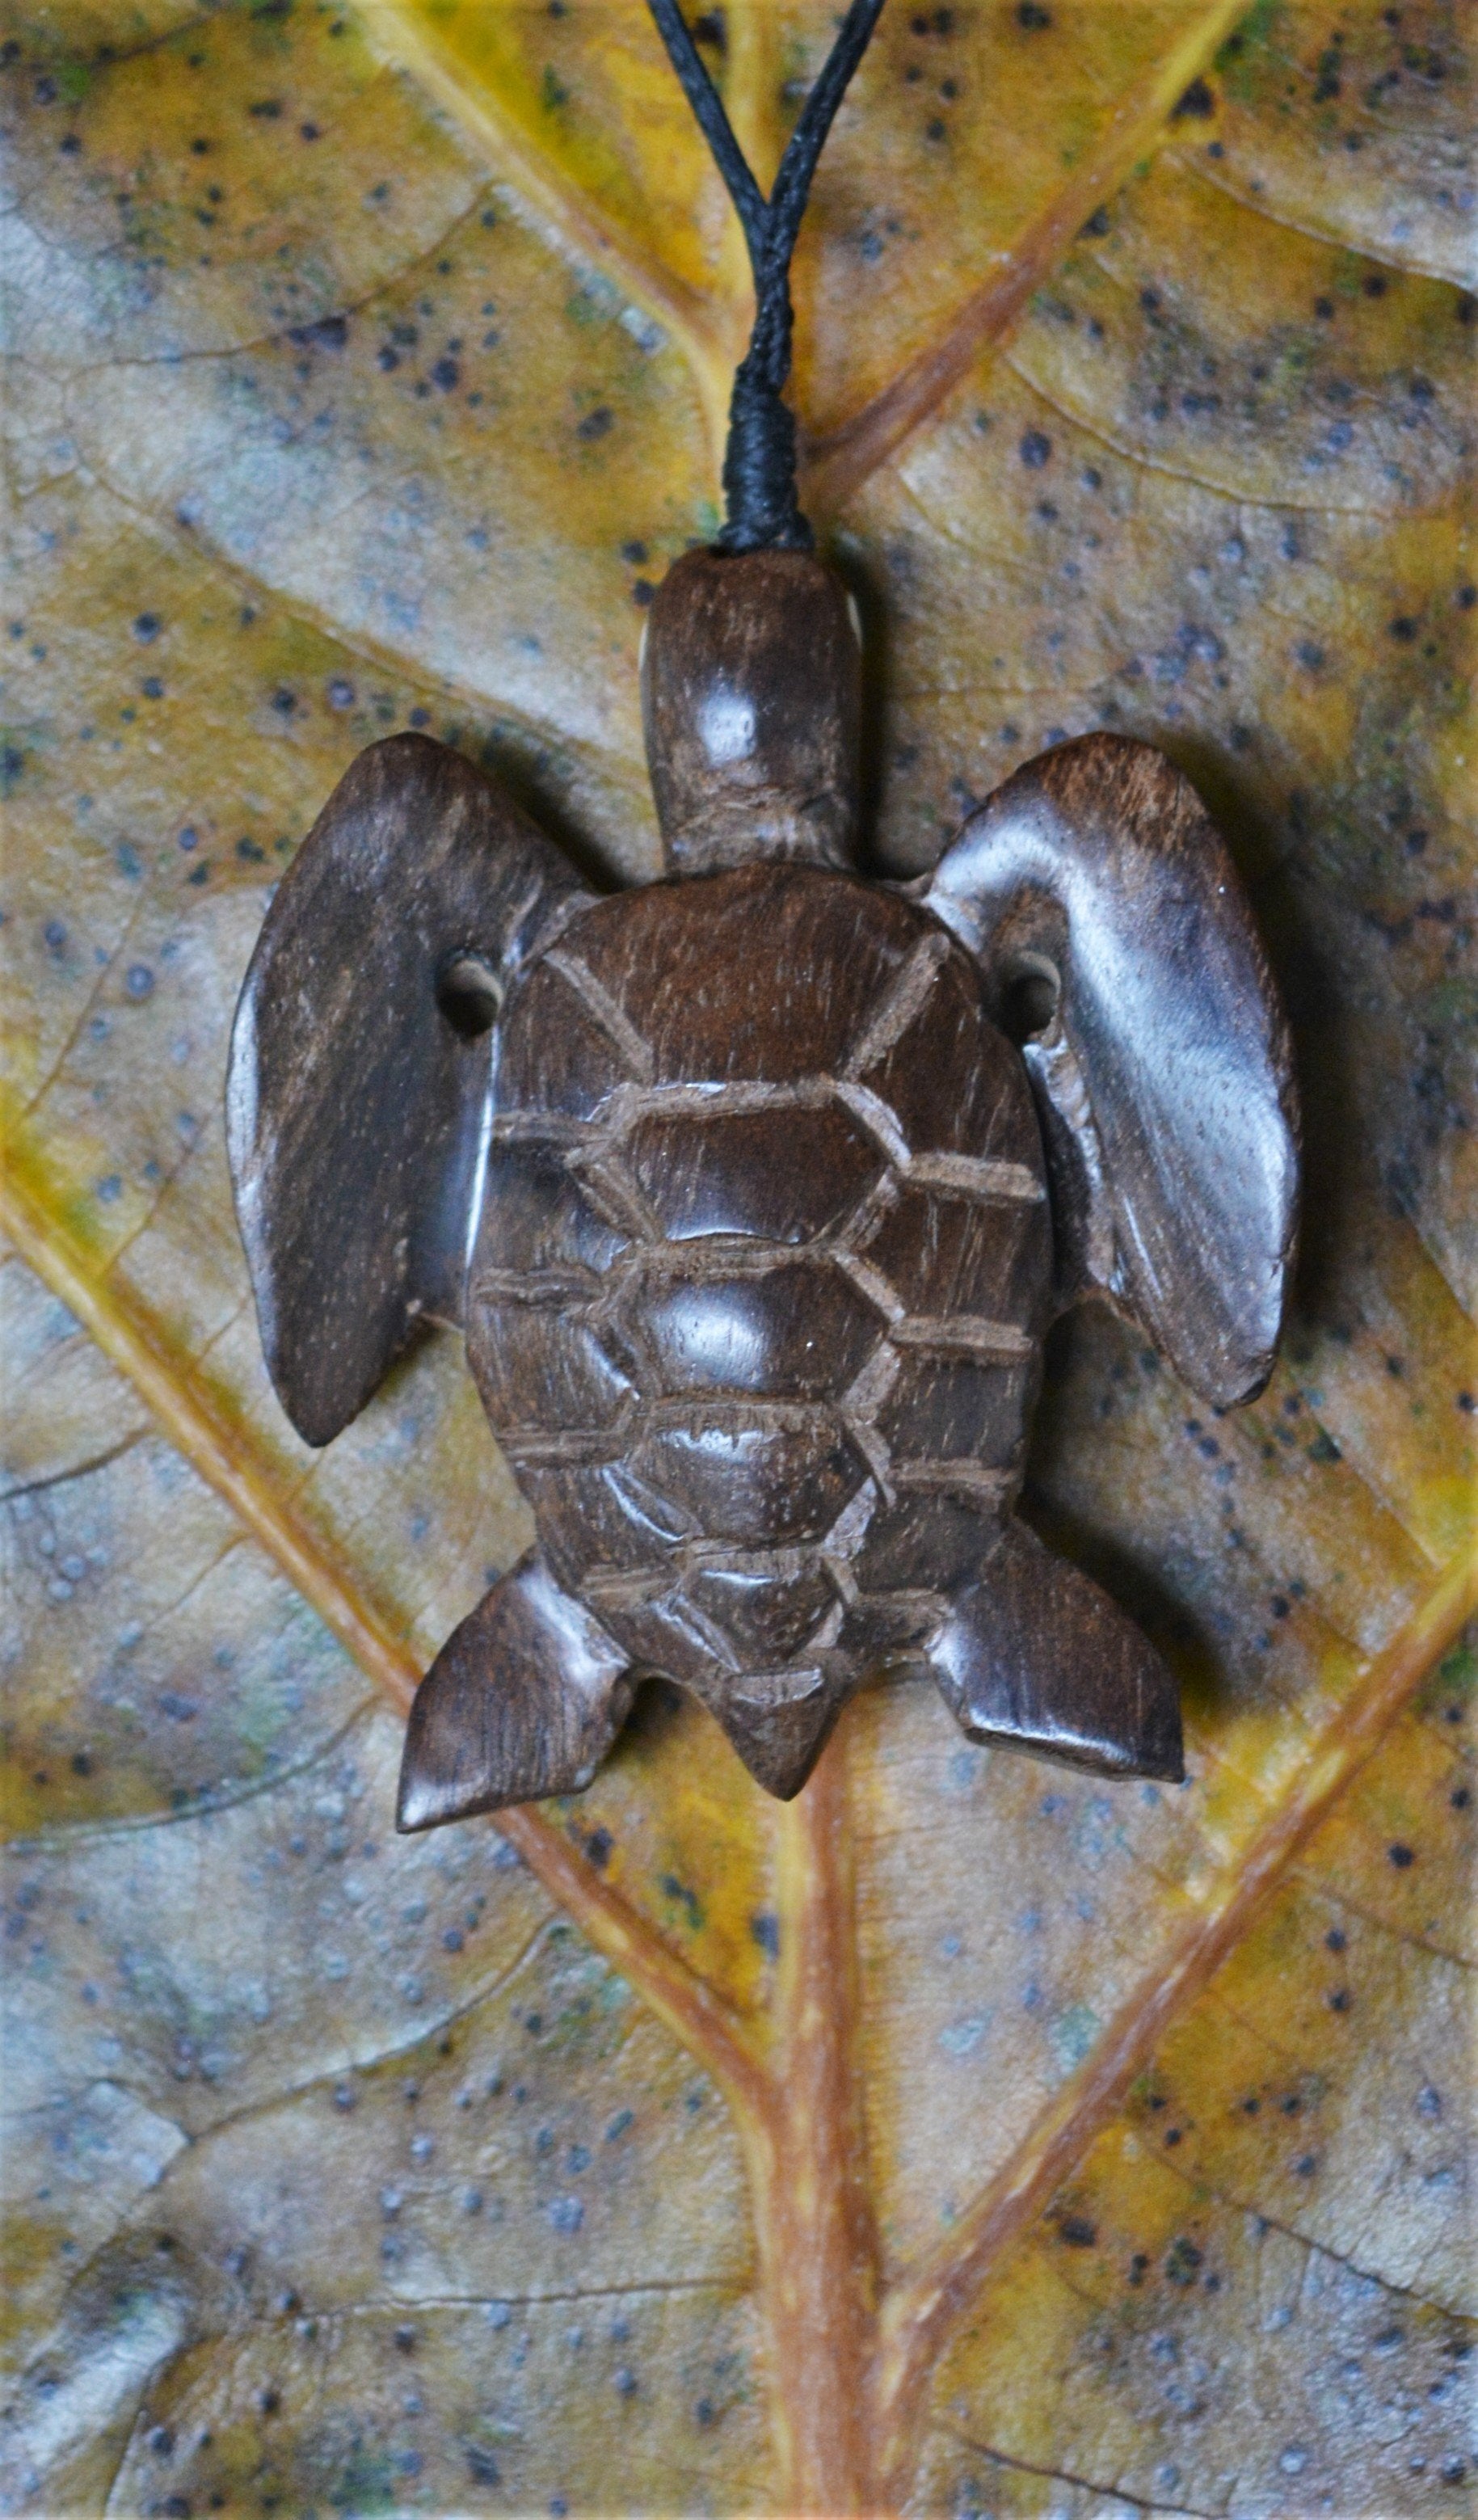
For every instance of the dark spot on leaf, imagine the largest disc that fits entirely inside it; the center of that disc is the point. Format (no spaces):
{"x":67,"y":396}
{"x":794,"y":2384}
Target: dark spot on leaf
{"x":1402,"y":1857}
{"x":596,"y":423}
{"x":330,"y":333}
{"x":1035,"y":450}
{"x":1077,"y":2233}
{"x":1197,"y":102}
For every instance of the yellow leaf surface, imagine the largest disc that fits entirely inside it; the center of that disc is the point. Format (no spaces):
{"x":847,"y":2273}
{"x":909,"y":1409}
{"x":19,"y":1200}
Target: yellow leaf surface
{"x":967,"y":2136}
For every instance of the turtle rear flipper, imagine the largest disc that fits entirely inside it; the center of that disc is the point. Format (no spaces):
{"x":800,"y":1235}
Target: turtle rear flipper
{"x":525,"y":1700}
{"x":1037,"y":1657}
{"x":357,"y":1102}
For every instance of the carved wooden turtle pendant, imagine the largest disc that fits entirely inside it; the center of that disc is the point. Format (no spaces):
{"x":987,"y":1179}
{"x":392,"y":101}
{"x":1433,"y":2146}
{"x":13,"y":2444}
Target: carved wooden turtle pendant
{"x":756,"y":1189}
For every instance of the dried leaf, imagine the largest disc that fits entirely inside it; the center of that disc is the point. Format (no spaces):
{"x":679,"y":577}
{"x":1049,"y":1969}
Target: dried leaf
{"x":966,"y":2137}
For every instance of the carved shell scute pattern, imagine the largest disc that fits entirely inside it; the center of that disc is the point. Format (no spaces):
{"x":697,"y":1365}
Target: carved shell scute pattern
{"x":762,"y":1273}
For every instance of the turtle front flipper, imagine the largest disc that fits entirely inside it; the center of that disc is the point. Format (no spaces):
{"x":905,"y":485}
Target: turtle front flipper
{"x":525,"y":1700}
{"x":1037,"y":1657}
{"x":1118,"y":949}
{"x":358,"y":1095}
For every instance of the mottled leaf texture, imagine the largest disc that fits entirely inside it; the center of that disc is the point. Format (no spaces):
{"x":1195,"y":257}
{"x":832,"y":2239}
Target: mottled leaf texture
{"x":968,"y":2136}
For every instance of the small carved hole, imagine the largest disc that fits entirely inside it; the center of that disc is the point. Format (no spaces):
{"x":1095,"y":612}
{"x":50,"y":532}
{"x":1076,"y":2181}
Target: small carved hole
{"x":469,"y":994}
{"x":1030,"y":998}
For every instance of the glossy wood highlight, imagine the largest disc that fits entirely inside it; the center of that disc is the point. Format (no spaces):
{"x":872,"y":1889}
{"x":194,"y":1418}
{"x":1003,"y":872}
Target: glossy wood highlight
{"x":757,"y":1190}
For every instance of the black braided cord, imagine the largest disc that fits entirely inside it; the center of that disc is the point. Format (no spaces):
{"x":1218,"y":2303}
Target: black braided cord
{"x":759,"y":461}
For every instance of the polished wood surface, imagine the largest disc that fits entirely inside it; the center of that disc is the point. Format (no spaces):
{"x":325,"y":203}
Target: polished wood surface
{"x":751,"y":706}
{"x":757,"y":1301}
{"x":756,"y":1189}
{"x":1164,"y":1075}
{"x":358,"y":1078}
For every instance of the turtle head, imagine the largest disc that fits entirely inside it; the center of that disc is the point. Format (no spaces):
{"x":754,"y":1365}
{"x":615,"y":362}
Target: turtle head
{"x":751,"y":702}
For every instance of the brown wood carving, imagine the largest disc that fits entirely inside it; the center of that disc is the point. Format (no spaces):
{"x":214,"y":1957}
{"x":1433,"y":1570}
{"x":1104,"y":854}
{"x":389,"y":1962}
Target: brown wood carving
{"x":756,"y":1189}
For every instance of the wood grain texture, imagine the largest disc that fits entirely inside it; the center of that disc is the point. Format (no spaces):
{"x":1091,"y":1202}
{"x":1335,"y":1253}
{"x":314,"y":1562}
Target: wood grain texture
{"x":755,"y":1198}
{"x":1164,"y":1070}
{"x":758,"y":1294}
{"x":354,"y":1102}
{"x":751,"y":701}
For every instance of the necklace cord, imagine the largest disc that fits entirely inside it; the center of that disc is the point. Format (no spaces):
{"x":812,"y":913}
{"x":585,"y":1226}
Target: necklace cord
{"x":759,"y":460}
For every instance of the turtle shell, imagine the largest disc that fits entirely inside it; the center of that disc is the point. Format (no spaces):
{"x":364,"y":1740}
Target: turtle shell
{"x":762,"y":1270}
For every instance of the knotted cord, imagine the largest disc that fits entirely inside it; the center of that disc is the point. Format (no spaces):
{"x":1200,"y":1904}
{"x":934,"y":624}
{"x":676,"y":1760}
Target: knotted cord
{"x":759,"y":460}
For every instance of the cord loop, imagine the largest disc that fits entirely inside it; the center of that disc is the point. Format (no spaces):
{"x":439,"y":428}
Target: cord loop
{"x":759,"y":460}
